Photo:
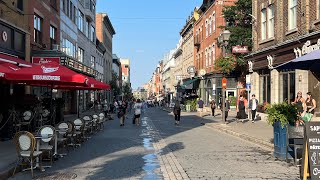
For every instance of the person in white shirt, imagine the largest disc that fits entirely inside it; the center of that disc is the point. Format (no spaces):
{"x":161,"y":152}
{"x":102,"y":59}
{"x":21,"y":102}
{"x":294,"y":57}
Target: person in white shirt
{"x":253,"y":105}
{"x":137,"y":111}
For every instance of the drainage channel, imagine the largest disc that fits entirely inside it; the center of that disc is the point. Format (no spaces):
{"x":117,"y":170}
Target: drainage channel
{"x":151,"y":163}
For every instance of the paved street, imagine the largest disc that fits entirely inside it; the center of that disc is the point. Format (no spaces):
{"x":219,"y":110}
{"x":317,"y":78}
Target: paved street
{"x":159,"y":150}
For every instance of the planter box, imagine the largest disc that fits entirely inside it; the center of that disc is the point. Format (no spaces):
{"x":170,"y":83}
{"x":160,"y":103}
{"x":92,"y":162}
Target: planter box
{"x":279,"y":141}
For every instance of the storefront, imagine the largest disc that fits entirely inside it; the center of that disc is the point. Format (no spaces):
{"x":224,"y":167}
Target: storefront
{"x":68,"y":97}
{"x":273,"y":86}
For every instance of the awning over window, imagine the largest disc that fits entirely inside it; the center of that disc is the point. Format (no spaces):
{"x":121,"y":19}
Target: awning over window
{"x":190,"y":84}
{"x":14,"y":60}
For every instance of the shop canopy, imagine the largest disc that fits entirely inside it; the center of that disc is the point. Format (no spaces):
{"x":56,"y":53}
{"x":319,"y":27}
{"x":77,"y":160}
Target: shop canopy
{"x":310,"y":61}
{"x":47,"y":74}
{"x":189,"y":84}
{"x":14,"y":60}
{"x":93,"y":84}
{"x":6,"y":68}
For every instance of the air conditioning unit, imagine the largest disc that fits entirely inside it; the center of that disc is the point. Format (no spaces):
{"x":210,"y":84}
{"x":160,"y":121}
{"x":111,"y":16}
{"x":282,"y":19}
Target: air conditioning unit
{"x":55,"y":47}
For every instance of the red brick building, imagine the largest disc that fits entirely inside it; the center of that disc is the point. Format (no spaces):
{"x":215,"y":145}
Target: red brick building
{"x":44,"y":24}
{"x":206,"y":31}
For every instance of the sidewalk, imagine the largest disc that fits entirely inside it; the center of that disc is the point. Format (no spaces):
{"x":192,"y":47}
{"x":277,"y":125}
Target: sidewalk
{"x":260,"y":132}
{"x":8,"y":153}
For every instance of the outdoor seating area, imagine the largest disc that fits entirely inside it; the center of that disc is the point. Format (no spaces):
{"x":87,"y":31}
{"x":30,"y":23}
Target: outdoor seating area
{"x":40,"y":148}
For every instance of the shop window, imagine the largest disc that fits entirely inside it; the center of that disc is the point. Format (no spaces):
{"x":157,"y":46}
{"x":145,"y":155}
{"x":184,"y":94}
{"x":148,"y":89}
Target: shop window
{"x":53,"y":35}
{"x":265,"y":88}
{"x":20,"y":5}
{"x":292,"y":14}
{"x":37,"y":29}
{"x":287,"y":86}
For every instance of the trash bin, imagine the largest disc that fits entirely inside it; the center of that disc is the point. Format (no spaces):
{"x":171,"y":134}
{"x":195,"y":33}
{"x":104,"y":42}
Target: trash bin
{"x":188,"y":108}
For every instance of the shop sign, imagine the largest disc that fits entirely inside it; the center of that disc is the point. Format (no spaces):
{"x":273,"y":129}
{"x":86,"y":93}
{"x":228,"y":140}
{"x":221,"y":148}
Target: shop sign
{"x":43,"y":60}
{"x":306,"y":48}
{"x":240,"y":49}
{"x":4,"y":36}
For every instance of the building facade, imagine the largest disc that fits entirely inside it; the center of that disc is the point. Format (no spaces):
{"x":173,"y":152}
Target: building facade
{"x":282,"y":31}
{"x":178,"y":70}
{"x":116,"y":68}
{"x":168,"y":78}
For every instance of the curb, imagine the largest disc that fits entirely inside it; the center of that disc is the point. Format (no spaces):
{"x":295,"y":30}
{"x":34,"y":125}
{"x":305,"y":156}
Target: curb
{"x":243,"y":136}
{"x":254,"y":140}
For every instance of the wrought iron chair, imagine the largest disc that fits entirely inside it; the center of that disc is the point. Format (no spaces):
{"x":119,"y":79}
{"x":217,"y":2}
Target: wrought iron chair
{"x":27,"y":118}
{"x":62,"y":130}
{"x":48,"y":136}
{"x":95,"y":122}
{"x":25,"y":144}
{"x":71,"y":136}
{"x":101,"y":121}
{"x":87,"y":126}
{"x":78,"y":130}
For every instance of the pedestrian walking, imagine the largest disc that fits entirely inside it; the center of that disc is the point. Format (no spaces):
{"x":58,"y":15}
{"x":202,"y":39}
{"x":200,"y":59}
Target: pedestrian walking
{"x":213,"y":106}
{"x":177,"y":112}
{"x":241,"y":109}
{"x":253,"y":104}
{"x":121,"y":114}
{"x":137,"y":111}
{"x":227,"y":109}
{"x":200,"y":106}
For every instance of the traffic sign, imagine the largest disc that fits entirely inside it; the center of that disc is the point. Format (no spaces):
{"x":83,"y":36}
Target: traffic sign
{"x":248,"y":86}
{"x":224,"y":83}
{"x":248,"y":79}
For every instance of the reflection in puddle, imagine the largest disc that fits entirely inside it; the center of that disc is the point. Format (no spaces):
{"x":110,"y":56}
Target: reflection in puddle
{"x":151,"y":162}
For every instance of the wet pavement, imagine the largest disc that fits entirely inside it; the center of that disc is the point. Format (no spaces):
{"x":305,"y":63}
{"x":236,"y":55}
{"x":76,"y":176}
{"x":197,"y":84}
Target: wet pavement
{"x":157,"y":149}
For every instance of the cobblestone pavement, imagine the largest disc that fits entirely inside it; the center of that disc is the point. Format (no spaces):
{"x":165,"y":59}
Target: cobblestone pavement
{"x":157,"y":149}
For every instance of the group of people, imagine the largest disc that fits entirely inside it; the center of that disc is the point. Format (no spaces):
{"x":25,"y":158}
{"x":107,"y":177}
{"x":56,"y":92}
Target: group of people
{"x":122,"y":108}
{"x":305,"y":105}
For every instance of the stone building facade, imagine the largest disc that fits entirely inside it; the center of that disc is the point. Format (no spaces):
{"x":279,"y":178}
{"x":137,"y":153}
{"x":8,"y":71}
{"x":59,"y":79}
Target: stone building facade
{"x":282,"y":31}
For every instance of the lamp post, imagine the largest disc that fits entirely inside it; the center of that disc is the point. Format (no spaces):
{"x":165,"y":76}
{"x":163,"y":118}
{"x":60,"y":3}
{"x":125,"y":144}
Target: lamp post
{"x":223,"y":41}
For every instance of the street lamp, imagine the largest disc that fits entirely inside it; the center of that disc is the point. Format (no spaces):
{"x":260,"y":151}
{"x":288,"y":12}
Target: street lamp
{"x":223,"y":41}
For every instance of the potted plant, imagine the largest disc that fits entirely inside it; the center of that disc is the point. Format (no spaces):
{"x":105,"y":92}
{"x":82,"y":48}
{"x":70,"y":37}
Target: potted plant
{"x":281,"y":115}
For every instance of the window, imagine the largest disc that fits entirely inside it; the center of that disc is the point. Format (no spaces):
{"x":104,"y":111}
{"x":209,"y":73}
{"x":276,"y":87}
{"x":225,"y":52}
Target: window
{"x":80,"y":54}
{"x":287,"y":86}
{"x":87,"y":29}
{"x":74,"y":14}
{"x":71,"y":11}
{"x":210,"y":25}
{"x":37,"y":23}
{"x":209,"y":54}
{"x":92,"y":62}
{"x":213,"y":54}
{"x":271,"y":21}
{"x":206,"y":28}
{"x":80,"y":20}
{"x":68,"y":47}
{"x":206,"y":57}
{"x":20,"y":5}
{"x":92,"y":6}
{"x":213,"y":21}
{"x":53,"y":32}
{"x":92,"y":37}
{"x":265,"y":88}
{"x":63,"y":5}
{"x":68,"y":8}
{"x":263,"y":24}
{"x":292,"y":14}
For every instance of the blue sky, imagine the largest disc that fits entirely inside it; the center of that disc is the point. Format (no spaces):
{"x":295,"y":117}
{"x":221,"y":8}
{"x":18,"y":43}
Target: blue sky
{"x":145,"y":30}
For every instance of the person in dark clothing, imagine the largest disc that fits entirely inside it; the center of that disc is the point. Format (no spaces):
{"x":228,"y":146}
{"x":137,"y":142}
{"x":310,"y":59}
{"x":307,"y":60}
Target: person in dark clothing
{"x":177,"y":112}
{"x":253,"y":105}
{"x":213,"y":106}
{"x":227,"y":109}
{"x":241,"y":109}
{"x":299,"y":102}
{"x":121,"y":114}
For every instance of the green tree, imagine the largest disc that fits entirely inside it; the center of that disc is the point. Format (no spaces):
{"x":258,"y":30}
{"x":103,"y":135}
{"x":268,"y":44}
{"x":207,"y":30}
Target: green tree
{"x":114,"y":84}
{"x":127,"y":92}
{"x":239,"y":22}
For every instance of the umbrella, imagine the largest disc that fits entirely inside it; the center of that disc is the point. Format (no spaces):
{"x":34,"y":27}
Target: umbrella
{"x":6,"y":68}
{"x":310,"y":61}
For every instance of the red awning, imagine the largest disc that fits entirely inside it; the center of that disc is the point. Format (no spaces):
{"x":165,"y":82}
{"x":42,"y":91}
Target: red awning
{"x":47,"y":74}
{"x":14,"y":60}
{"x":97,"y":84}
{"x":6,"y":68}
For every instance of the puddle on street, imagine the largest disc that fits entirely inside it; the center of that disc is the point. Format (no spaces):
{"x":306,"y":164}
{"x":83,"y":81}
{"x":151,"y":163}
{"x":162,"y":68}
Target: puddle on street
{"x":151,"y":162}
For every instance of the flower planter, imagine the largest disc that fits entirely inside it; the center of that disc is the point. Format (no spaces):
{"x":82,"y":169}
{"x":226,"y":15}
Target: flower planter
{"x":279,"y":141}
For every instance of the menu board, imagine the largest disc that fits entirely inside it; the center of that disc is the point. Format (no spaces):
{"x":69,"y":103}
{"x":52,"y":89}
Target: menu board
{"x":313,"y":141}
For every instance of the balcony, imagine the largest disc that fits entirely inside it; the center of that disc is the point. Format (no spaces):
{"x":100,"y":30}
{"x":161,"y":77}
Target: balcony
{"x":197,"y":42}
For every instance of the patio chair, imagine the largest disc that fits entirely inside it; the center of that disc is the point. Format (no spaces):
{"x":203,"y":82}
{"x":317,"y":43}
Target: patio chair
{"x":101,"y":121}
{"x":95,"y":122}
{"x":71,"y":135}
{"x":62,"y":129}
{"x":87,"y":126}
{"x":46,"y":142}
{"x":27,"y":117}
{"x":25,"y":144}
{"x":78,"y":130}
{"x":295,"y":136}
